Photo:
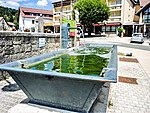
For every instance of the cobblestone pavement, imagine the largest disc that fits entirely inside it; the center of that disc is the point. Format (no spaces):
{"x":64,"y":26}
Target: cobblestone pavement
{"x":8,"y":99}
{"x":130,"y":98}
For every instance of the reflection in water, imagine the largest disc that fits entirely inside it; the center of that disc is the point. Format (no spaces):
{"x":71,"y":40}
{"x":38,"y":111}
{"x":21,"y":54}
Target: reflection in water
{"x":84,"y":62}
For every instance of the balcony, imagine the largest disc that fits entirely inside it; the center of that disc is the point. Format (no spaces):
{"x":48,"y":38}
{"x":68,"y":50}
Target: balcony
{"x":112,"y":20}
{"x":64,"y":11}
{"x":67,"y":11}
{"x":114,"y":3}
{"x":115,"y":8}
{"x":56,"y":14}
{"x":113,"y":17}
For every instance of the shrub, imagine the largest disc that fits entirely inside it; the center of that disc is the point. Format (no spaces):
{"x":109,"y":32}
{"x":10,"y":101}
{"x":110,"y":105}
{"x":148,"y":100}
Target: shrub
{"x":120,"y":29}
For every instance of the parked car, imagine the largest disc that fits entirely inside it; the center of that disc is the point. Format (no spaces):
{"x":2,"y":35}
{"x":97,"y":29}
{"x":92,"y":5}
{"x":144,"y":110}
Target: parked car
{"x":137,"y":37}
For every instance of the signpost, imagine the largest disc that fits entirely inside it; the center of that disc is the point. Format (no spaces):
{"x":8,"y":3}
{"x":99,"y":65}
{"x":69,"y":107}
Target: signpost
{"x":42,"y":42}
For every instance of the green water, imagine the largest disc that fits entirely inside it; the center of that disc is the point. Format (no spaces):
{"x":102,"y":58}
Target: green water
{"x":87,"y":64}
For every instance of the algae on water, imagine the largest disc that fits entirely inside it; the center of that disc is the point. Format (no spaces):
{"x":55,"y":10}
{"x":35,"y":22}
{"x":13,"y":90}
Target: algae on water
{"x":84,"y":62}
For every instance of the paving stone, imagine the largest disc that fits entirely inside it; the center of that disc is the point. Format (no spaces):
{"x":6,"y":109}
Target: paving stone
{"x":130,"y":98}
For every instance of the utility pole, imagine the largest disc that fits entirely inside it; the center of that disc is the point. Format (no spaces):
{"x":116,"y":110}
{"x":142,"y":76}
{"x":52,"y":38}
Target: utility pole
{"x":61,"y":14}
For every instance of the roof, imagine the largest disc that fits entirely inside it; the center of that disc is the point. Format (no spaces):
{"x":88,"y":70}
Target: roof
{"x":1,"y":18}
{"x":144,"y":2}
{"x":10,"y":23}
{"x":33,"y":10}
{"x":135,"y":1}
{"x":143,"y":8}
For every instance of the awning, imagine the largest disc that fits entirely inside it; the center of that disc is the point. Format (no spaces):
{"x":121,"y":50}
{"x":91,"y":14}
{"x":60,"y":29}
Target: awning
{"x":56,"y":25}
{"x":101,"y":24}
{"x":48,"y":24}
{"x":113,"y":24}
{"x":78,"y":24}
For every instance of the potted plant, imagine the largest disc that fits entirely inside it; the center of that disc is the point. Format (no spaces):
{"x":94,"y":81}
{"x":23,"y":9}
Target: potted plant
{"x":32,"y":29}
{"x":120,"y":31}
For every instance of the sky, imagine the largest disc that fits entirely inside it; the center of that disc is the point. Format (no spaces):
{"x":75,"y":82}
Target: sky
{"x":40,"y":4}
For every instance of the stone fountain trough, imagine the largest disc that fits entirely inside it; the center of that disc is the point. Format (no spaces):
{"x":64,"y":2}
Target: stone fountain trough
{"x":69,"y":79}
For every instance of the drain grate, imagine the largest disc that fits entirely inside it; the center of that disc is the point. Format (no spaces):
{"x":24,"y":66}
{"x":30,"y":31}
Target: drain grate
{"x":129,"y":60}
{"x":127,"y":80}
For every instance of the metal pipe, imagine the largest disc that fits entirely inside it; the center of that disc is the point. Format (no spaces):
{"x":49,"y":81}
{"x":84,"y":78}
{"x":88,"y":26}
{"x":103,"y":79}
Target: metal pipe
{"x":61,"y":10}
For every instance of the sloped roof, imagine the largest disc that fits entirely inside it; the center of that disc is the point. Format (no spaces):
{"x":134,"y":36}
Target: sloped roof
{"x":1,"y":18}
{"x":143,"y":8}
{"x":144,"y":2}
{"x":10,"y":23}
{"x":33,"y":10}
{"x":135,"y":1}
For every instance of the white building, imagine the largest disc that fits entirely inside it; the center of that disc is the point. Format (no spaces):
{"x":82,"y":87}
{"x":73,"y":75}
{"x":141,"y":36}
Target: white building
{"x":28,"y":18}
{"x":3,"y":24}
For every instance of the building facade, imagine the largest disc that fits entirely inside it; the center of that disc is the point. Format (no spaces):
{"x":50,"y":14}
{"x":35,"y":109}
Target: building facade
{"x":144,"y":19}
{"x":122,"y":15}
{"x":67,"y":8}
{"x":29,"y":18}
{"x":3,"y":24}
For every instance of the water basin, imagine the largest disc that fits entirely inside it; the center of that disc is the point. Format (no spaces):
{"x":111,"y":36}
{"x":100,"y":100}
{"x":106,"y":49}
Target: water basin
{"x":69,"y":79}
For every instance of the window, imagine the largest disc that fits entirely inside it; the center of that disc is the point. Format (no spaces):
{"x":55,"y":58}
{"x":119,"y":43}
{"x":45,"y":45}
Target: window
{"x":23,"y":21}
{"x":118,"y":2}
{"x":146,"y":16}
{"x":47,"y":15}
{"x":103,"y":28}
{"x":113,"y":28}
{"x":32,"y":21}
{"x":31,"y":14}
{"x":107,"y":28}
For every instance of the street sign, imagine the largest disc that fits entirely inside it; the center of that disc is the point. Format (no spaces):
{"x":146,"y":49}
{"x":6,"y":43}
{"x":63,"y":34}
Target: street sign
{"x":42,"y":42}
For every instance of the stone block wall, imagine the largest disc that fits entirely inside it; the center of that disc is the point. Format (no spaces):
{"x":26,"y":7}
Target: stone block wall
{"x":16,"y":45}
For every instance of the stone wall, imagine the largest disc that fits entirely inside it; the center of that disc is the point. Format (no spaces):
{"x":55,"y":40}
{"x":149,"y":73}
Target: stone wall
{"x":16,"y":45}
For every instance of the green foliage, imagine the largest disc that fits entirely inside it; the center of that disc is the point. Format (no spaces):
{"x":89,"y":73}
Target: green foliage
{"x":32,"y":29}
{"x":92,"y":11}
{"x":16,"y":24}
{"x":10,"y":15}
{"x":120,"y":29}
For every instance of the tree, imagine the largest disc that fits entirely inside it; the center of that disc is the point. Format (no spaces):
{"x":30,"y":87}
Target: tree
{"x":16,"y":24}
{"x":10,"y":15}
{"x":11,"y":19}
{"x":91,"y":12}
